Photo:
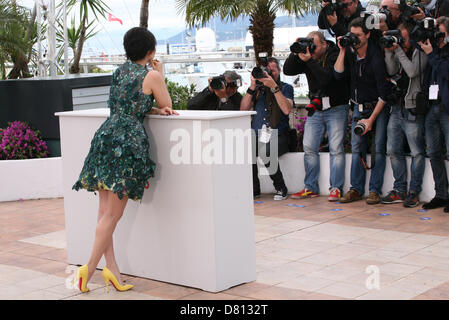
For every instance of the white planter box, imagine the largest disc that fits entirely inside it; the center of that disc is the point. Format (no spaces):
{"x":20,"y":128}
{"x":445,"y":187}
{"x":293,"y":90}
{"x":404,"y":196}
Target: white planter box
{"x":30,"y":179}
{"x":292,"y":167}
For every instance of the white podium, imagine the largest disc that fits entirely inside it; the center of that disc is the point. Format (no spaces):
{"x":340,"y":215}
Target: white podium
{"x":195,"y":224}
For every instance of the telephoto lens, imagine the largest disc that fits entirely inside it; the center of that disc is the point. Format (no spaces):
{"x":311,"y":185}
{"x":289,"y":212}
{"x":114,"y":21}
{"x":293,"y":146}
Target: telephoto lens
{"x":349,"y":40}
{"x":218,"y":83}
{"x":258,"y":73}
{"x":301,"y":45}
{"x":359,"y":129}
{"x":390,"y":38}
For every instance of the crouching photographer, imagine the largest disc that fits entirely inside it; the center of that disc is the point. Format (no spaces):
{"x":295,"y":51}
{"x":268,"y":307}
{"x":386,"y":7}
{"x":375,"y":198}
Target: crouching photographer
{"x":328,"y":111}
{"x":273,"y":102}
{"x":362,"y":62}
{"x":221,"y":94}
{"x":436,"y":84}
{"x":336,"y":15}
{"x":405,"y":64}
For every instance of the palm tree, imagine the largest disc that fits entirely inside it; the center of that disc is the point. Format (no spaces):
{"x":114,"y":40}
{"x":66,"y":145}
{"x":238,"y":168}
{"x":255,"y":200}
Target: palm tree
{"x":17,"y":36}
{"x":95,"y":7}
{"x":262,"y":14}
{"x":144,"y":14}
{"x":73,"y":36}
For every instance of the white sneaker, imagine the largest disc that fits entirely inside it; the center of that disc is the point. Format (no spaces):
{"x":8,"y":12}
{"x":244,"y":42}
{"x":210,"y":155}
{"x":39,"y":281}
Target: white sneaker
{"x":281,"y":195}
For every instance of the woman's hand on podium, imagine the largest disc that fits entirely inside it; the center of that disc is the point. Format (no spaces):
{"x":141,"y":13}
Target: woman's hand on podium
{"x":167,"y":111}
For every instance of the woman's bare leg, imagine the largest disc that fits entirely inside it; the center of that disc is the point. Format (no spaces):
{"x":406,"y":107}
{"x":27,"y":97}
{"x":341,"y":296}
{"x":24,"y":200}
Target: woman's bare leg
{"x":105,"y":228}
{"x":109,"y":256}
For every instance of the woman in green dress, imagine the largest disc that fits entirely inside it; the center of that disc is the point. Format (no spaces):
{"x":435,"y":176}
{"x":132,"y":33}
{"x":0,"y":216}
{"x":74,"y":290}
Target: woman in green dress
{"x":118,"y":165}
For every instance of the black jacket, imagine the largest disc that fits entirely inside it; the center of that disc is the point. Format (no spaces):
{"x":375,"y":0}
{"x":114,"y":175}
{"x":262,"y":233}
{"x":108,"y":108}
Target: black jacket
{"x":437,"y":72}
{"x":341,"y":27}
{"x":206,"y":100}
{"x":320,"y":79}
{"x":368,"y":76}
{"x":442,"y":8}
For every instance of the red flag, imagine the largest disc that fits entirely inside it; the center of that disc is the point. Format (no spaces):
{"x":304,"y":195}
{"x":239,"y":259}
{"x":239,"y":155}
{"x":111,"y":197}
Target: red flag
{"x":114,"y":18}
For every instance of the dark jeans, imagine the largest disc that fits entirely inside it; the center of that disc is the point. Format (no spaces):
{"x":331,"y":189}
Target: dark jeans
{"x":437,"y":133}
{"x":401,"y":129}
{"x":277,"y":177}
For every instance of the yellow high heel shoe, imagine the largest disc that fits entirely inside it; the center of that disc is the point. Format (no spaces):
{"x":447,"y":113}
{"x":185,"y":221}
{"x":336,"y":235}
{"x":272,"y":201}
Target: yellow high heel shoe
{"x":81,"y":276}
{"x":108,"y":276}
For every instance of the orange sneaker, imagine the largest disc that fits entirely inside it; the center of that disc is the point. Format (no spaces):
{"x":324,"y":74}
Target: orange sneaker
{"x":334,"y":195}
{"x":303,"y":194}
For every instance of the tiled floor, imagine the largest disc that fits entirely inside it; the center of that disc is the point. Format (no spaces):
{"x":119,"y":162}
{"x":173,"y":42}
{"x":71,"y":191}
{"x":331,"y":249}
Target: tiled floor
{"x":308,"y":249}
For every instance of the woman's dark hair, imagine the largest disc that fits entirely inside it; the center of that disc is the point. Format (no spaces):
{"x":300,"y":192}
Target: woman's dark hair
{"x":137,"y":42}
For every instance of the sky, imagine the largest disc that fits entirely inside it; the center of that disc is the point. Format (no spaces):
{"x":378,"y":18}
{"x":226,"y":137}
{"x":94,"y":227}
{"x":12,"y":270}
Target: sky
{"x":163,"y":21}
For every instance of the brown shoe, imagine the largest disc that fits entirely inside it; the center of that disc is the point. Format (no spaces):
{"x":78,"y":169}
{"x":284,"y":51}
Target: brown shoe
{"x":351,"y":196}
{"x":373,"y":198}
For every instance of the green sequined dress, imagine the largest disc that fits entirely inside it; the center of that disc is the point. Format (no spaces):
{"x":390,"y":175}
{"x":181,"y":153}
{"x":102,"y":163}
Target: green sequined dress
{"x":119,"y":159}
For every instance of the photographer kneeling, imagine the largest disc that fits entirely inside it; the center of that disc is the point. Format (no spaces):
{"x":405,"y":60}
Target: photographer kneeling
{"x":436,"y":83}
{"x":328,"y":111}
{"x":273,"y":102}
{"x":405,"y":64}
{"x":362,"y":61}
{"x":221,"y":94}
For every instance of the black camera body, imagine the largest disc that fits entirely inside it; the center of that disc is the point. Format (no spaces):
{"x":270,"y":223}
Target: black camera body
{"x":407,"y":11}
{"x":349,"y":40}
{"x":219,"y":83}
{"x":426,"y":29}
{"x":301,"y":45}
{"x":390,"y":38}
{"x":334,"y":6}
{"x":259,"y":71}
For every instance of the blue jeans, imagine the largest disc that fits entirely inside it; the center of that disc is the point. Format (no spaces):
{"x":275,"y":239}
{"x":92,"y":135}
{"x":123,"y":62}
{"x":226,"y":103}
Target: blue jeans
{"x":399,"y":129}
{"x":359,"y":146}
{"x":334,"y":121}
{"x":437,"y":128}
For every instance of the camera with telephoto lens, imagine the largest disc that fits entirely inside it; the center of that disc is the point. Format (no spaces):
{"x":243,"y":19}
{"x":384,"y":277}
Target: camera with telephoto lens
{"x":390,"y":38}
{"x":301,"y":45}
{"x":360,"y":128}
{"x":219,"y":83}
{"x":349,"y":40}
{"x":259,"y":72}
{"x":334,"y":6}
{"x":407,"y":11}
{"x":426,"y":29}
{"x":314,"y":105}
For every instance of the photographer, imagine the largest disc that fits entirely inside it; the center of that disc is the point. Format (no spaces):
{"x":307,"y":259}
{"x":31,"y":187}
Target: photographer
{"x":330,"y":115}
{"x":273,"y":101}
{"x":436,"y":83}
{"x":362,"y":61}
{"x":436,"y":8}
{"x":337,"y":21}
{"x":406,"y":65}
{"x":393,"y":13}
{"x":223,"y":97}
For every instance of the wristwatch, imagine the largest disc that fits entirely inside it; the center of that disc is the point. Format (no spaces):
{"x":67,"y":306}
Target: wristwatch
{"x":275,"y":89}
{"x":224,"y":100}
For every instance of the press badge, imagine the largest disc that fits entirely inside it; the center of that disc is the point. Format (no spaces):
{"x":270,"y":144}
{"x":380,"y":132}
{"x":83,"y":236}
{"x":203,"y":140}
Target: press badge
{"x":361,"y":107}
{"x":326,"y":103}
{"x":265,"y":134}
{"x":433,"y":92}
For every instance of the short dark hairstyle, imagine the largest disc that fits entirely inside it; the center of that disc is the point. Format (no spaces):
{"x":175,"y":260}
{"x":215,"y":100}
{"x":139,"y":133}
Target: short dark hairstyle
{"x":137,"y":42}
{"x":271,"y":59}
{"x":358,"y":23}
